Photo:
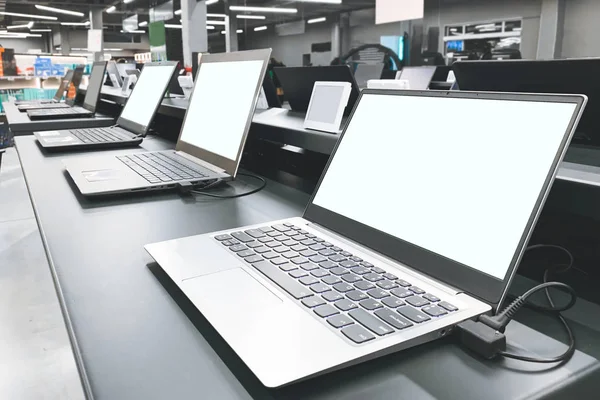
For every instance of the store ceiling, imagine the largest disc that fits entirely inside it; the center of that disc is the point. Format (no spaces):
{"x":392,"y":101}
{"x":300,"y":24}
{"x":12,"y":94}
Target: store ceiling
{"x":141,"y":7}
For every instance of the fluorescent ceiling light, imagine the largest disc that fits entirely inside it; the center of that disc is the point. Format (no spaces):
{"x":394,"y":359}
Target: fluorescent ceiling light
{"x":209,"y":2}
{"x":135,"y":31}
{"x":250,"y":16}
{"x":216,"y":15}
{"x":316,"y":20}
{"x":260,"y":28}
{"x":215,"y":22}
{"x":178,"y":12}
{"x":321,"y":1}
{"x":239,"y":31}
{"x":127,"y":1}
{"x":223,"y":32}
{"x":25,"y":26}
{"x":41,"y":30}
{"x":265,"y":9}
{"x":111,"y":9}
{"x":210,"y":27}
{"x":80,"y":54}
{"x":32,"y":16}
{"x":59,"y":10}
{"x":143,"y":23}
{"x":30,"y":24}
{"x":174,"y":26}
{"x":113,"y":49}
{"x":86,"y":23}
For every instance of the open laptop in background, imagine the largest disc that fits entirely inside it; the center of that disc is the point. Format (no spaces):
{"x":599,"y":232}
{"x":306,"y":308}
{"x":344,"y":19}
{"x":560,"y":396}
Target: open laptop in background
{"x":298,"y":83}
{"x":434,"y":240}
{"x":63,"y":90}
{"x":113,"y":76}
{"x":87,"y":109}
{"x":270,"y":92}
{"x":132,"y":125}
{"x":418,"y":78}
{"x":211,"y":140}
{"x":365,"y":72}
{"x":539,"y":76}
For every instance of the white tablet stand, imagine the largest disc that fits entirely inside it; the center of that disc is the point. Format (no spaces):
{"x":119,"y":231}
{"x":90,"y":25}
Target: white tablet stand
{"x":127,"y":84}
{"x":326,"y":107}
{"x":114,"y":80}
{"x":187,"y":84}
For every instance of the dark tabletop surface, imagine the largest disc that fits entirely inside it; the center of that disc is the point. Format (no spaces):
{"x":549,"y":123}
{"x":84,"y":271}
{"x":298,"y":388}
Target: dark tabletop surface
{"x":137,"y":337}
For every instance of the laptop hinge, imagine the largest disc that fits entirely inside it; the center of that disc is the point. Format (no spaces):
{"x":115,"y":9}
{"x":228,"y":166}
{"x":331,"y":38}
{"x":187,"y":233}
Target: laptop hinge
{"x":201,"y":162}
{"x":410,"y":271}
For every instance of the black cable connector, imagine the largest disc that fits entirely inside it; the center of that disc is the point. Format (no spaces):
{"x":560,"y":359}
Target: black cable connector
{"x":480,"y":338}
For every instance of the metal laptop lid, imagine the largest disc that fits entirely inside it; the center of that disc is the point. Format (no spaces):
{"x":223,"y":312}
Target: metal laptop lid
{"x":74,"y":85}
{"x":457,"y":205}
{"x":92,"y":95}
{"x":146,"y":96}
{"x":298,"y":83}
{"x":64,"y":84}
{"x":418,"y":78}
{"x":540,"y":76}
{"x":216,"y":123}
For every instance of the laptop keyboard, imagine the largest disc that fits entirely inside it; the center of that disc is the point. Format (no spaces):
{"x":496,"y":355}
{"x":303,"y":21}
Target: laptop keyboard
{"x":61,"y":111}
{"x":99,"y":135}
{"x":161,"y":167}
{"x":362,"y":301}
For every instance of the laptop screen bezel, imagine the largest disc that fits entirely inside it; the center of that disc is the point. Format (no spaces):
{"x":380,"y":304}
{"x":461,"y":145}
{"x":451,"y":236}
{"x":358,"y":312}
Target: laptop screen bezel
{"x":460,"y":276}
{"x":230,"y":166}
{"x":133,"y":126}
{"x":97,"y":64}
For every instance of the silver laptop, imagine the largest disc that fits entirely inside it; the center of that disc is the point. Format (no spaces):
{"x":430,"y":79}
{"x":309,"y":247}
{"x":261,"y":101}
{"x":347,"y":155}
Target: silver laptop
{"x":211,"y":140}
{"x":418,"y":78}
{"x":365,"y":72}
{"x":409,"y":232}
{"x":132,"y":125}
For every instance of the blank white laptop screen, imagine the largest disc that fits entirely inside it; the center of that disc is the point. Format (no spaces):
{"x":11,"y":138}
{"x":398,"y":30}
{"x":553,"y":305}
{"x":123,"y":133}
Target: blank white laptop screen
{"x":418,"y":78}
{"x":465,"y":193}
{"x":148,"y":91}
{"x":224,"y":94}
{"x":324,"y":105}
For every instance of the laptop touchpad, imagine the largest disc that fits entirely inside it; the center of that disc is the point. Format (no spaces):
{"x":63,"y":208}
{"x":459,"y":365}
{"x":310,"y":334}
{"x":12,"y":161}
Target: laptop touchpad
{"x":101,"y":175}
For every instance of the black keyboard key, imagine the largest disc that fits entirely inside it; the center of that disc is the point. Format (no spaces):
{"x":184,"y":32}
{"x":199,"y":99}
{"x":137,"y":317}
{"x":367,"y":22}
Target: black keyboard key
{"x":416,"y":290}
{"x":348,"y":264}
{"x":370,"y":322}
{"x":320,"y":288}
{"x":393,"y":302}
{"x":287,"y":267}
{"x":387,"y":285}
{"x":335,"y":248}
{"x":357,"y":334}
{"x":245,"y":253}
{"x":402,"y":293}
{"x":238,"y":247}
{"x":313,"y":301}
{"x":370,"y":304}
{"x":343,"y":287}
{"x":307,"y":253}
{"x":326,"y":252}
{"x":255,"y":233}
{"x":327,"y":264}
{"x":413,"y":314}
{"x":308,"y":266}
{"x":364,"y":285}
{"x":378,"y":293}
{"x":339,"y":321}
{"x":338,"y":271}
{"x":298,"y":273}
{"x":220,"y":238}
{"x":308,"y":280}
{"x":447,"y":306}
{"x":242,"y":237}
{"x":416,"y":301}
{"x":378,"y":270}
{"x":356,"y":295}
{"x":331,"y":280}
{"x":393,"y":318}
{"x":434,"y":311}
{"x":300,"y":260}
{"x":317,"y":247}
{"x":281,"y":228}
{"x":326,"y":310}
{"x":389,"y":276}
{"x":431,"y":297}
{"x":253,"y":259}
{"x":319,"y":273}
{"x":373,"y":277}
{"x":337,"y":258}
{"x":317,"y":259}
{"x":351,"y":278}
{"x":345,"y":305}
{"x":366,"y":264}
{"x":346,"y":254}
{"x":282,"y":279}
{"x":360,"y":270}
{"x":298,"y":247}
{"x":332,"y":296}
